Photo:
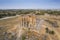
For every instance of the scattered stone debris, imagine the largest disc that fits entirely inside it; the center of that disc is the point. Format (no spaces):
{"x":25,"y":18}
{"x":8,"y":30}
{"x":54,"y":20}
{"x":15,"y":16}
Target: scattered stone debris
{"x":54,"y":24}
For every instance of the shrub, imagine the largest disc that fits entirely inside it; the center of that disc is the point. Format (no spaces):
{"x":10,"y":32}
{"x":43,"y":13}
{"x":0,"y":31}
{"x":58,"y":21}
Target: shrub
{"x":51,"y":32}
{"x":47,"y":30}
{"x":23,"y":37}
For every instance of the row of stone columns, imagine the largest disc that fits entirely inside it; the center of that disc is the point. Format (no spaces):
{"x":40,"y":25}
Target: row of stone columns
{"x":25,"y":21}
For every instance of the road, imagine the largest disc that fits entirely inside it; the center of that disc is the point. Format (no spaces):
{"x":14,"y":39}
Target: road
{"x":9,"y":17}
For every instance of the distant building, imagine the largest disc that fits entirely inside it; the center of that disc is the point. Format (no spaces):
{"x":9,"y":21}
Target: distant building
{"x":46,"y":14}
{"x":37,"y":11}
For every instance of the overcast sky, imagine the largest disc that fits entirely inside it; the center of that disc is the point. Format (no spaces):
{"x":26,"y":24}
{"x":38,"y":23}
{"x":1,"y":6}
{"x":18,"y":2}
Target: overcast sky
{"x":29,"y":4}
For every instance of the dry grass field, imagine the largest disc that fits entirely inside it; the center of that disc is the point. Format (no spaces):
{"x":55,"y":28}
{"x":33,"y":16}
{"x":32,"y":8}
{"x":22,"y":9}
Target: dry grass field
{"x":33,"y":27}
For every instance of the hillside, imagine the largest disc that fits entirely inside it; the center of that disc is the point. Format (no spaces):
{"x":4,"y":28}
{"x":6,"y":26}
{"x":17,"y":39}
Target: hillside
{"x":30,"y":27}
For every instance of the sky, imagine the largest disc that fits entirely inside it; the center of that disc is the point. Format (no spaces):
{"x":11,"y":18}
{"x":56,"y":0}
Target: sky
{"x":29,"y":4}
